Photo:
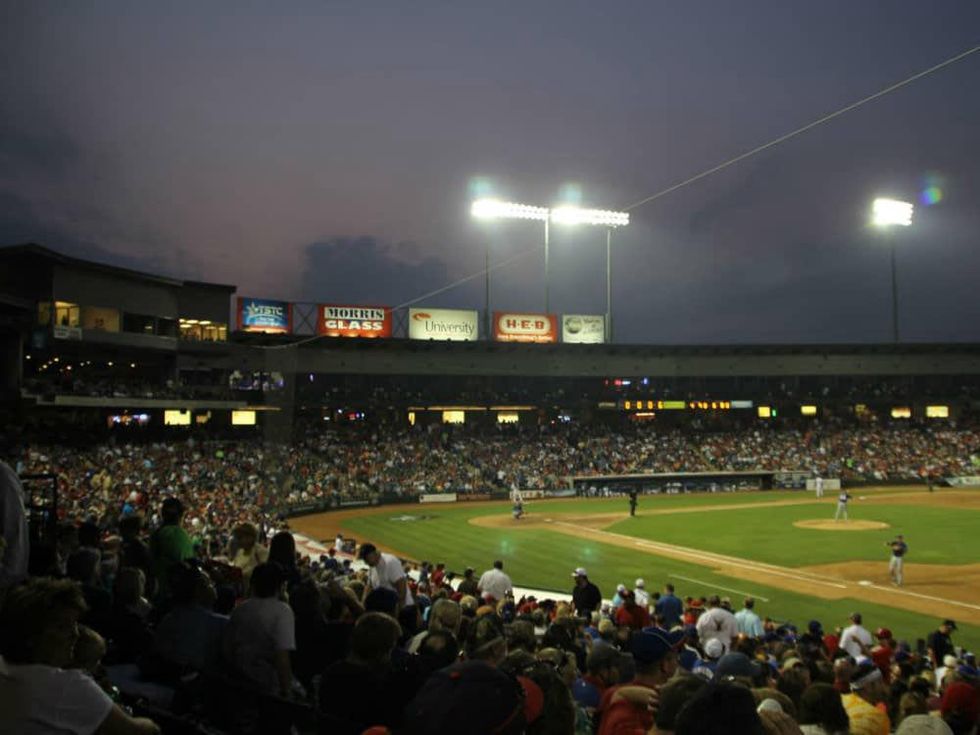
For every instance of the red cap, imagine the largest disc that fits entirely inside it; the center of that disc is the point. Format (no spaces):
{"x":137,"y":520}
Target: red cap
{"x":883,"y":633}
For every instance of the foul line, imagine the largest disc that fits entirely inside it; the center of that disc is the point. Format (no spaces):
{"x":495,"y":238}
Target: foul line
{"x":900,"y":591}
{"x":711,"y":585}
{"x":707,"y":556}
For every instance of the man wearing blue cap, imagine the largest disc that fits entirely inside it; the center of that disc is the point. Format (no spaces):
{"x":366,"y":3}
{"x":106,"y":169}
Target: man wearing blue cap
{"x":655,"y":653}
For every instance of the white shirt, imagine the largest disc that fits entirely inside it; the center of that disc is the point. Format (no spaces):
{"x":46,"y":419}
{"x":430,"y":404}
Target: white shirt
{"x":386,"y":573}
{"x":642,"y":598}
{"x":496,"y":583}
{"x":37,"y":699}
{"x":852,"y":638}
{"x":717,"y":623}
{"x":257,"y":630}
{"x":13,"y":528}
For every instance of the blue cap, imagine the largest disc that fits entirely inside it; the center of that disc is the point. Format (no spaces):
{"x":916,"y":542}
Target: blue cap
{"x":737,"y":664}
{"x":652,"y":644}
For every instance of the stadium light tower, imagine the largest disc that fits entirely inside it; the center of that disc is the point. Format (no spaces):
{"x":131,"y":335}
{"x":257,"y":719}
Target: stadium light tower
{"x":598,"y":218}
{"x":886,"y":214}
{"x":563,"y":215}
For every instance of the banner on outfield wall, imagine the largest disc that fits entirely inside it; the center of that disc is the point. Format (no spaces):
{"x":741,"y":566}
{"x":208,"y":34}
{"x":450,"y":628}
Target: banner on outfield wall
{"x":448,"y":325}
{"x":437,"y":498}
{"x":512,"y":327}
{"x":263,"y":315}
{"x":789,"y":479}
{"x":828,"y":484}
{"x":470,"y":497}
{"x":964,"y":481}
{"x":566,"y":493}
{"x":532,"y":494}
{"x":341,"y":320}
{"x":583,"y":329}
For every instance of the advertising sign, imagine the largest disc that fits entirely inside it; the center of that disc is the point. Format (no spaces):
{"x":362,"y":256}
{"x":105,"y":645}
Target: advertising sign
{"x":341,"y":320}
{"x":437,"y":498}
{"x":583,"y":329}
{"x":262,"y":315}
{"x":508,"y":327}
{"x":451,"y":325}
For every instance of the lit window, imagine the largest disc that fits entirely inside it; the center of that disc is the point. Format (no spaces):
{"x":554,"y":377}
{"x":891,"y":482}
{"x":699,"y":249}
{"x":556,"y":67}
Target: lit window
{"x":808,"y":410}
{"x":901,"y":412}
{"x":764,"y":412}
{"x":937,"y":412}
{"x":508,"y":417}
{"x":454,"y":417}
{"x":243,"y":418}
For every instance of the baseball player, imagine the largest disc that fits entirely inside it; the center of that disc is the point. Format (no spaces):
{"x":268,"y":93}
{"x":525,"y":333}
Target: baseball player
{"x":818,"y":485}
{"x":899,"y":550}
{"x":842,"y":505}
{"x":633,"y":496}
{"x":518,"y":509}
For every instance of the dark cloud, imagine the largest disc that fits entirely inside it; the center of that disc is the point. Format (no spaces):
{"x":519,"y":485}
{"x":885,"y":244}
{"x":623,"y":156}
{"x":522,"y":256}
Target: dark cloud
{"x":366,"y":270}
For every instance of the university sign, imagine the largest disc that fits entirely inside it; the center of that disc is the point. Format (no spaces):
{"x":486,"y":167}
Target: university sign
{"x":262,"y":315}
{"x":508,"y":327}
{"x":450,"y":325}
{"x":339,"y":320}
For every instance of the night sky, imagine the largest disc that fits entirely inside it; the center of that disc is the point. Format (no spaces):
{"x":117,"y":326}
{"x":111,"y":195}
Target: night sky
{"x":328,"y":151}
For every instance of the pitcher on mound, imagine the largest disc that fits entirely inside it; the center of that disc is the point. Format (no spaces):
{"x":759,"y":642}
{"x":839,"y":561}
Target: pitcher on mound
{"x":518,"y":509}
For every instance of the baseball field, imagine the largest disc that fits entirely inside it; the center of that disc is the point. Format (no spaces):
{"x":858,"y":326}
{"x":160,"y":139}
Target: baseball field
{"x":783,"y":548}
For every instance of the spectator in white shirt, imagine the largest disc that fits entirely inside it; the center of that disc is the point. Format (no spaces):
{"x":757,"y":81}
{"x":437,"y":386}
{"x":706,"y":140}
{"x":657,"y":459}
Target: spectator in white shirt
{"x":387,"y":572}
{"x":38,"y":694}
{"x":495,"y":582}
{"x":262,"y":632}
{"x":855,"y":639}
{"x":641,"y":595}
{"x":717,"y":622}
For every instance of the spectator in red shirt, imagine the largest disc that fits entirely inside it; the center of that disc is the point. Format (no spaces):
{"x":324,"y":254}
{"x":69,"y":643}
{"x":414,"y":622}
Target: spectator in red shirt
{"x":655,"y":653}
{"x":630,"y":614}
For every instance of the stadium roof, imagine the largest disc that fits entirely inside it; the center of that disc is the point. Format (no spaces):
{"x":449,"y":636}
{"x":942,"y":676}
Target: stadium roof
{"x":33,"y":250}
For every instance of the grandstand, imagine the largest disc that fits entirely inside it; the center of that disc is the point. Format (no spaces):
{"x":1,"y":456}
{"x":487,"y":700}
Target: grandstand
{"x":125,"y":389}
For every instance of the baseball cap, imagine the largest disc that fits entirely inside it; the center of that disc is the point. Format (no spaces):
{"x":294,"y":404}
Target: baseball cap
{"x":967,"y":671}
{"x":714,"y":648}
{"x":856,"y":617}
{"x":620,"y":587}
{"x":815,"y":627}
{"x":475,"y":692}
{"x":737,"y":664}
{"x":365,"y":550}
{"x":651,"y":644}
{"x":950,"y":624}
{"x":883,"y":633}
{"x":580,"y":572}
{"x":639,"y":583}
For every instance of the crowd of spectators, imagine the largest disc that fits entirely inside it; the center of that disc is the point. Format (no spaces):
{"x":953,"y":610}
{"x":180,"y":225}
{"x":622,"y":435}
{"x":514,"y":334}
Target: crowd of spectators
{"x":131,"y":627}
{"x":225,"y":483}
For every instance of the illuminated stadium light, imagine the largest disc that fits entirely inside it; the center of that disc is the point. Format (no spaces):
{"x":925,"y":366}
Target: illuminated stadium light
{"x":808,"y":410}
{"x":901,"y":412}
{"x":888,"y":212}
{"x":937,"y":412}
{"x":497,"y":209}
{"x":597,"y":217}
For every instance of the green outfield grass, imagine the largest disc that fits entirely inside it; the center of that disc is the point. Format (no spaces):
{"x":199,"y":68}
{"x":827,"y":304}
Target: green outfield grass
{"x":543,"y":559}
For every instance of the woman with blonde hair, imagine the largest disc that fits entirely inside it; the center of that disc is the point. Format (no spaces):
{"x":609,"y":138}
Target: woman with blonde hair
{"x":247,"y":552}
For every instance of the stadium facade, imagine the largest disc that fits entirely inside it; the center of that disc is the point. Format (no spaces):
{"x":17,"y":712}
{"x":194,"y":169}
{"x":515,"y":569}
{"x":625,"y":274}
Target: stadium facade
{"x":76,"y":334}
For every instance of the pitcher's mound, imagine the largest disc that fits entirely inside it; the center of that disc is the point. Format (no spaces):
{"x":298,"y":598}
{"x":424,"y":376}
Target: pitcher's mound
{"x":832,"y":525}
